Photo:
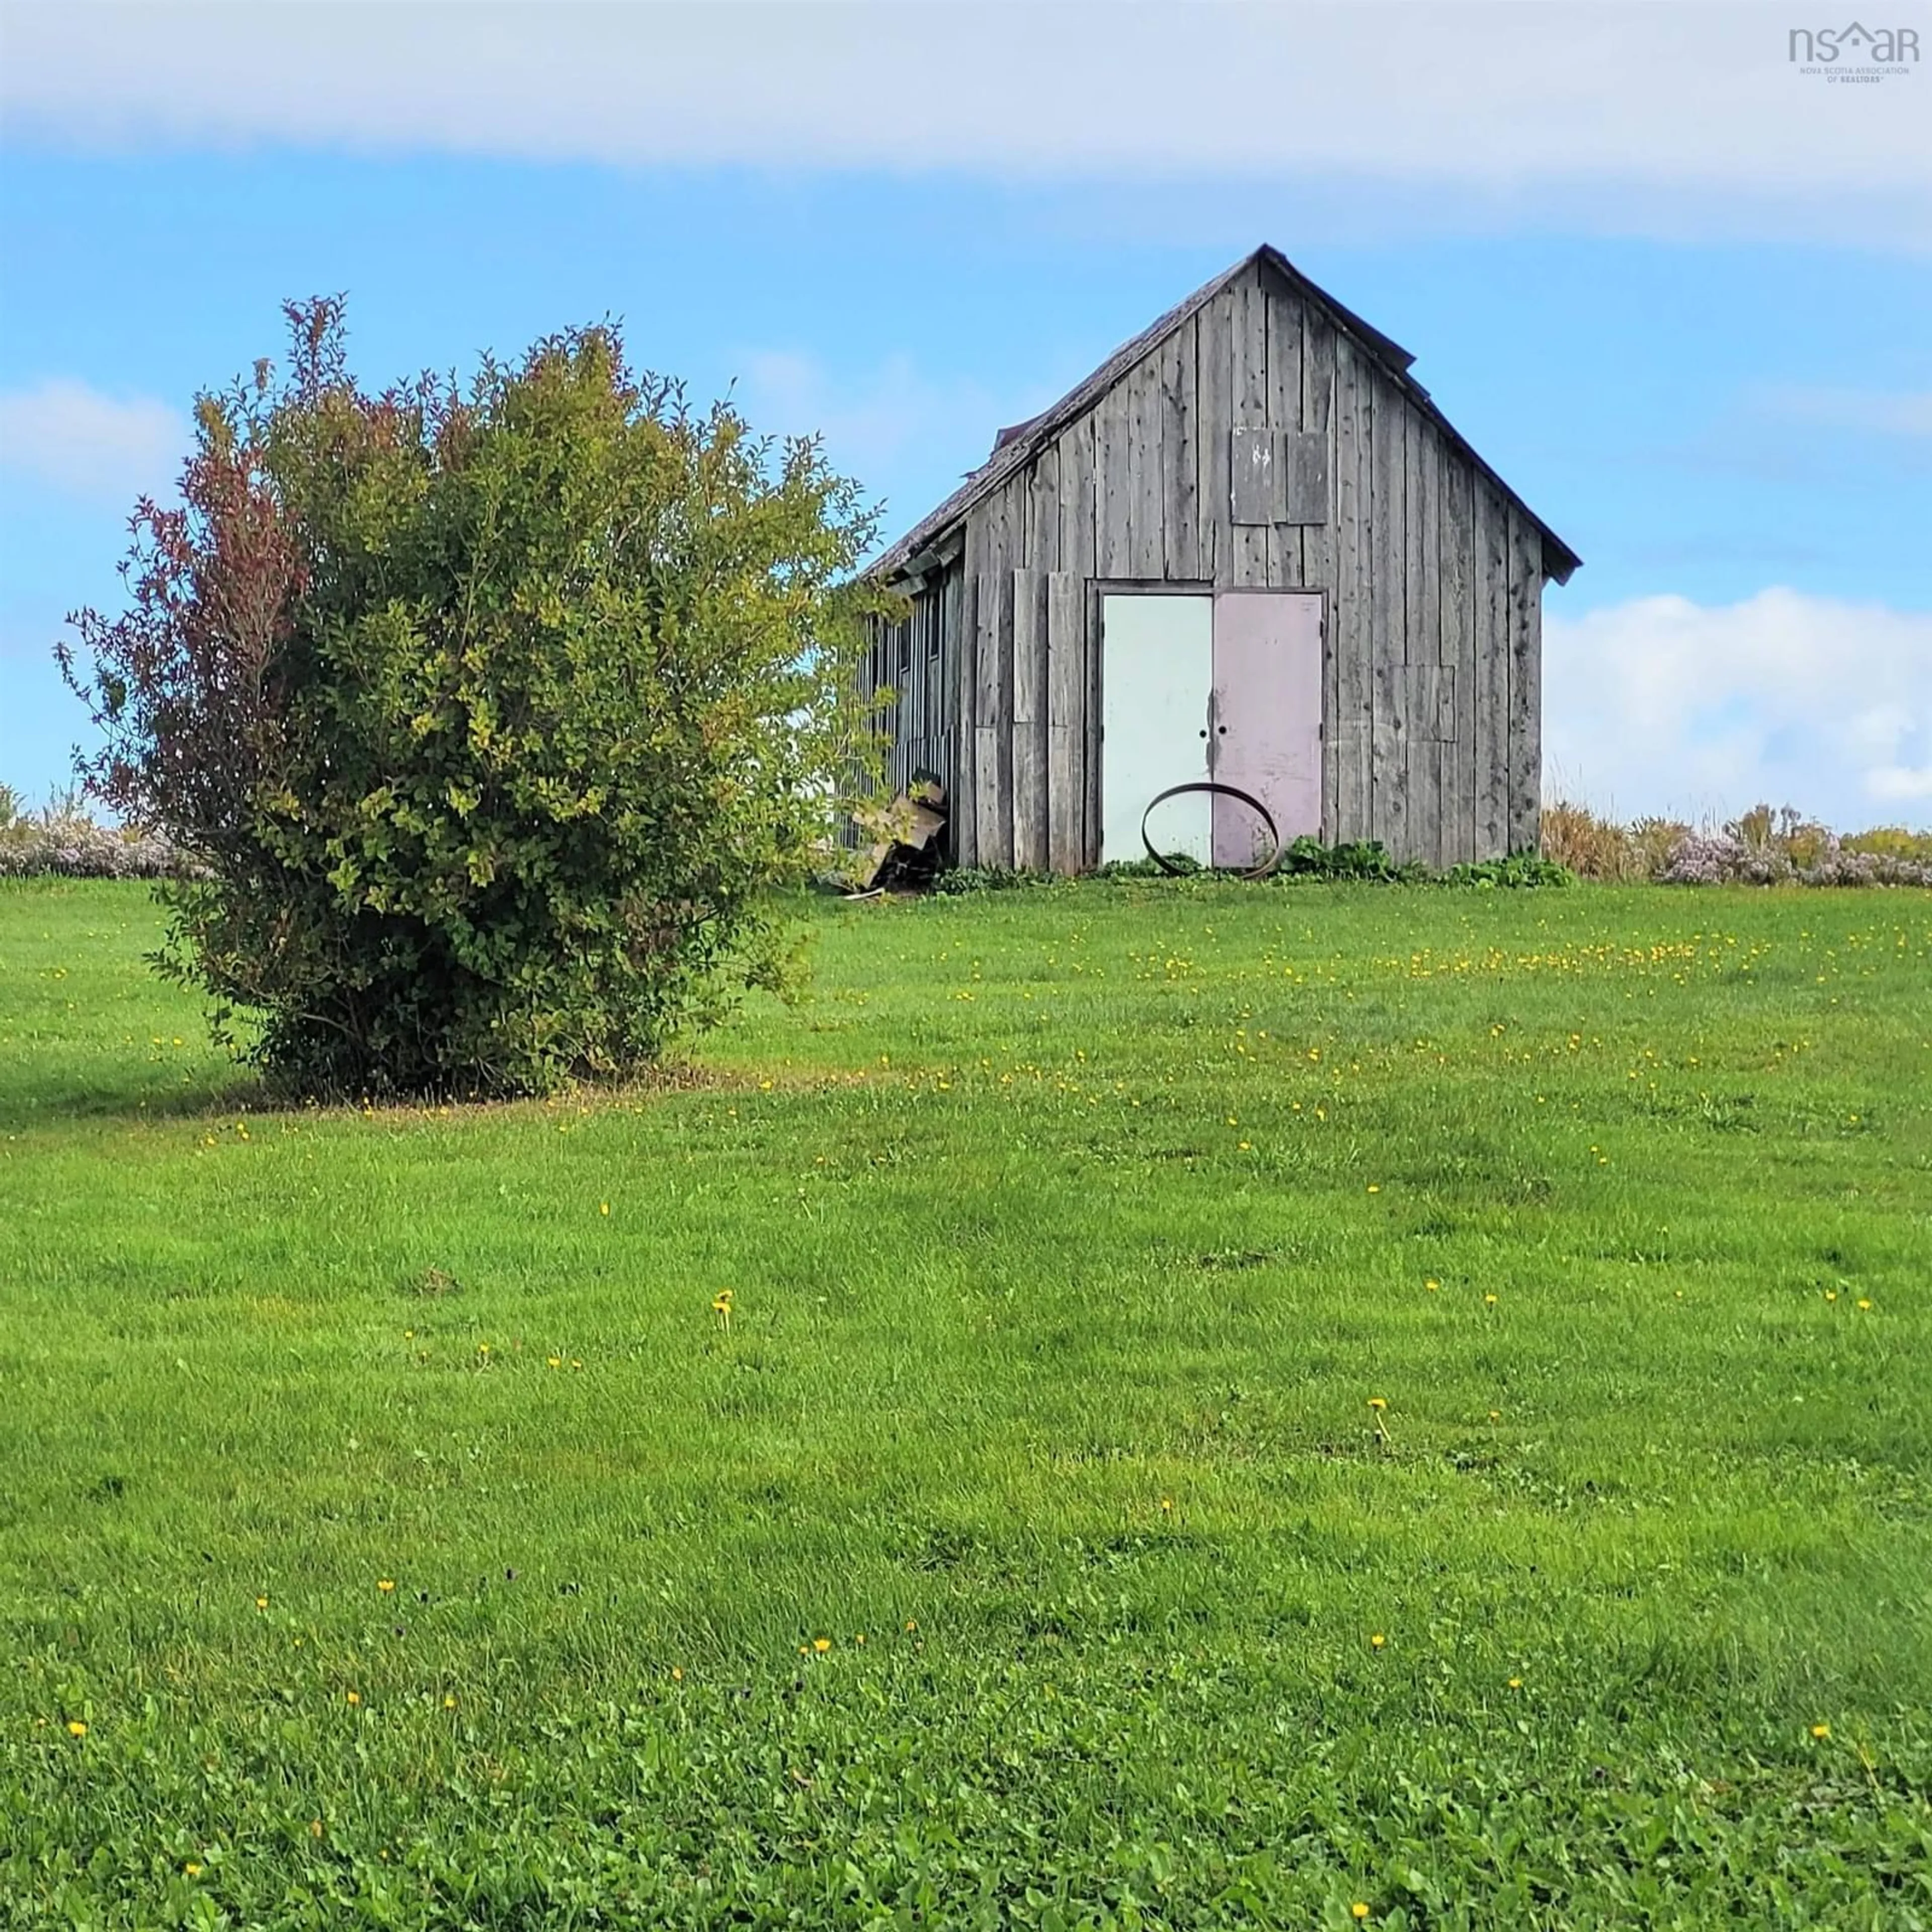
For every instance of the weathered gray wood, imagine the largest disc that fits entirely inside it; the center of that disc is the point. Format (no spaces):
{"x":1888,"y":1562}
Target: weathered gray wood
{"x":1458,"y":654}
{"x":1180,"y":539}
{"x":1029,"y":719}
{"x":1490,"y":555}
{"x":1213,"y":419}
{"x":1042,"y":549}
{"x":1388,"y":805}
{"x":1525,"y":682}
{"x":1092,"y":712}
{"x":1077,"y":537}
{"x":1354,"y":647}
{"x":1067,"y":738}
{"x":1424,"y":824}
{"x":1426,"y":695}
{"x":1255,"y":493}
{"x":1252,"y":538}
{"x":1286,"y":330}
{"x":963,"y":819}
{"x":1146,"y":472}
{"x":1425,"y":541}
{"x":1113,"y":445}
{"x":1388,"y":798}
{"x":1318,"y":570}
{"x":1304,"y":462}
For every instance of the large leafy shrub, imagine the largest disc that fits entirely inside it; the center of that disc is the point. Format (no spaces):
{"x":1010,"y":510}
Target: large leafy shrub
{"x":492,"y":715}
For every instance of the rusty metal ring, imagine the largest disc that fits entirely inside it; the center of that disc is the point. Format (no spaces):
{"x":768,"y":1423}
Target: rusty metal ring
{"x":1260,"y":871}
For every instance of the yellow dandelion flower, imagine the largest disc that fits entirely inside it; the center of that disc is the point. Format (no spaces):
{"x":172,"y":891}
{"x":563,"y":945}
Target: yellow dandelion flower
{"x":1358,"y":1910}
{"x":860,"y":1637}
{"x":1865,"y":1304}
{"x":1376,"y":1402}
{"x":261,"y":1603}
{"x":386,"y":1584}
{"x":821,"y":1645}
{"x":603,"y":1207}
{"x":555,"y":1361}
{"x":1488,"y":1301}
{"x":1516,"y":1683}
{"x":76,"y":1728}
{"x":911,"y":1624}
{"x":449,"y":1703}
{"x":1495,"y":1415}
{"x":1375,"y":1187}
{"x":193,"y":1868}
{"x":1376,"y":1641}
{"x":315,"y":1828}
{"x":1432,"y":1286}
{"x":1821,"y":1731}
{"x":355,"y":1696}
{"x":677,"y":1673}
{"x":1831,"y":1294}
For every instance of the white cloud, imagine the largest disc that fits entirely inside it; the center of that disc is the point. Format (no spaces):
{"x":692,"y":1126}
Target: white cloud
{"x":108,"y":450}
{"x":1660,"y":705}
{"x":1666,"y":118}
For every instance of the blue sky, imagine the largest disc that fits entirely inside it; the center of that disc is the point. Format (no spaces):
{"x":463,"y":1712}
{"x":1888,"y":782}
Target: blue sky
{"x":1708,"y":365}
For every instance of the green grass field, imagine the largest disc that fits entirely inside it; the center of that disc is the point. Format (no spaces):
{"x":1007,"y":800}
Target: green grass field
{"x":418,"y":1545}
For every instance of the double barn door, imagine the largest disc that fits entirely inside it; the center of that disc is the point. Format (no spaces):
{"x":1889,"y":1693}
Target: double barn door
{"x":1224,"y":687}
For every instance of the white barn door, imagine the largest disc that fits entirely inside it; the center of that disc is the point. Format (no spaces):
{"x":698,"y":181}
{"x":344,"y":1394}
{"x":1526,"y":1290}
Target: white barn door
{"x":1157,"y":670}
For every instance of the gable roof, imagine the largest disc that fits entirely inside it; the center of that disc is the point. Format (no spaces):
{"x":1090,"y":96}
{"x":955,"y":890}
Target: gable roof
{"x":1018,"y":445}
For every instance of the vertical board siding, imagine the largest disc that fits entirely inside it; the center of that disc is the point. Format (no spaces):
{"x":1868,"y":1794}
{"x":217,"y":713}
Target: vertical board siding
{"x":1043,"y":545}
{"x":1490,"y":555}
{"x":1113,"y":438}
{"x":1075,"y":451}
{"x":1146,"y":471}
{"x":1249,"y":559}
{"x":1459,"y":751}
{"x":1525,"y":682}
{"x":1181,"y":536}
{"x":1069,"y":744}
{"x":1286,"y":326}
{"x":1213,"y":419}
{"x":1388,"y":522}
{"x":1029,"y":719}
{"x":1354,"y":719}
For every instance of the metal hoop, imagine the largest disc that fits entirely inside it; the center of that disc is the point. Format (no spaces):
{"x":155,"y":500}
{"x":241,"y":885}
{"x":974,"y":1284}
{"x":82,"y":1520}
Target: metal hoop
{"x":1248,"y":799}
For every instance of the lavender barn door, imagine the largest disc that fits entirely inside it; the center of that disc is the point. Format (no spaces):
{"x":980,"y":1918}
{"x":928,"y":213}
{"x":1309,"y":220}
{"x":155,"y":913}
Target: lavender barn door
{"x":1264,"y":718}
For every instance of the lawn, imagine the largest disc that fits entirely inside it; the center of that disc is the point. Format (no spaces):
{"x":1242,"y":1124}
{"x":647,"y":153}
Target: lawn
{"x":394,"y":1531}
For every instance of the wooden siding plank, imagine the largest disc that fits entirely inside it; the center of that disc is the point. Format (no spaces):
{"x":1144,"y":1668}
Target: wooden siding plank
{"x":1180,"y":458}
{"x":1389,"y":773}
{"x":962,"y":811}
{"x":1146,"y":472}
{"x":1490,"y":558}
{"x":1066,"y":745}
{"x":1214,"y":401}
{"x":1525,"y":682}
{"x":1319,"y":548}
{"x":1425,"y":541}
{"x":1459,"y":756}
{"x":1304,"y":464}
{"x":1425,"y":800}
{"x":1043,"y":548}
{"x":1354,"y":646}
{"x":1388,"y":806}
{"x":1076,"y":548}
{"x":1255,"y":496}
{"x":1113,"y":443}
{"x":1029,"y":719}
{"x":1421,"y":621}
{"x":1248,"y":411}
{"x":1285,"y":312}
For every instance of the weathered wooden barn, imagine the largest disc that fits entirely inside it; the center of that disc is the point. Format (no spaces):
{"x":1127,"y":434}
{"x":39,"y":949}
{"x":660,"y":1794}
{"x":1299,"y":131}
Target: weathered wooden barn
{"x":1250,"y":549}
